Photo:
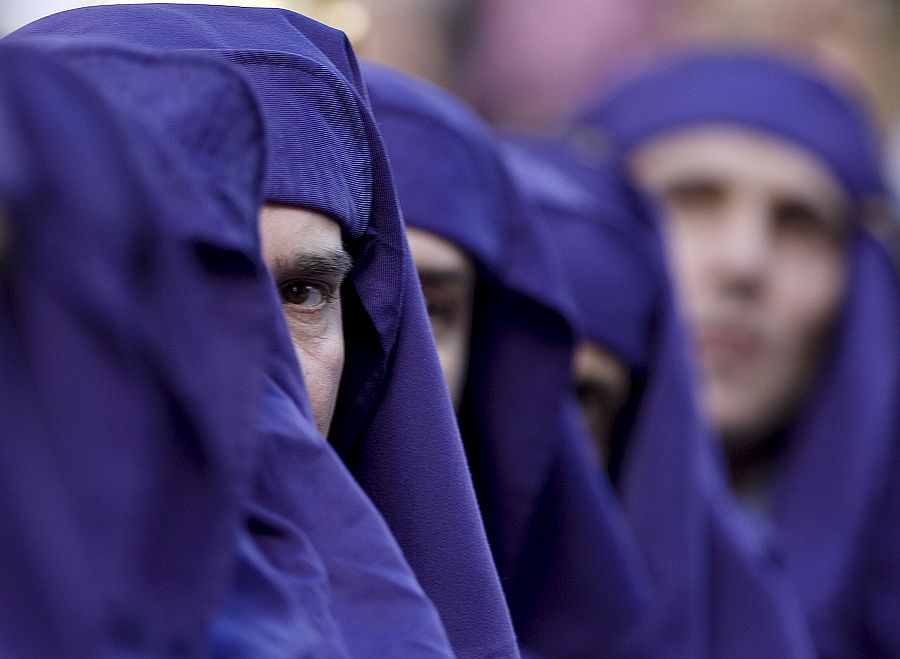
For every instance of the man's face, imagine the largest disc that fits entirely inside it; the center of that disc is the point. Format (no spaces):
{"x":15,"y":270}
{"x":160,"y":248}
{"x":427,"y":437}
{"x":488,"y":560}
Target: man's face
{"x":602,"y":382}
{"x":448,"y":283}
{"x":305,"y":254}
{"x":756,"y":231}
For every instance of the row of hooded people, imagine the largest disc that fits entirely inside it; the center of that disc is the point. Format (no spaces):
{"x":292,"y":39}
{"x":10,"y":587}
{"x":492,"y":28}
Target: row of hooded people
{"x":535,"y":255}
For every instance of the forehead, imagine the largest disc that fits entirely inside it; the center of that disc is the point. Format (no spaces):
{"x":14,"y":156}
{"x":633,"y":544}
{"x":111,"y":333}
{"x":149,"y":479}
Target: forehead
{"x":737,"y":156}
{"x":289,"y":229}
{"x":430,"y":251}
{"x":591,"y":360}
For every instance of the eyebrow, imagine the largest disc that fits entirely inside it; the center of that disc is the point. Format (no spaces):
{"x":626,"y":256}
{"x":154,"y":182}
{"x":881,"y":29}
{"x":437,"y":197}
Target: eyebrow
{"x":706,"y":181}
{"x":839,"y":219}
{"x":332,"y":265}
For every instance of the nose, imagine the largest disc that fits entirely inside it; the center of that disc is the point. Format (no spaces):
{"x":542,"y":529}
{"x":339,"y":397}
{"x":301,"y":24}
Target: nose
{"x":742,"y":247}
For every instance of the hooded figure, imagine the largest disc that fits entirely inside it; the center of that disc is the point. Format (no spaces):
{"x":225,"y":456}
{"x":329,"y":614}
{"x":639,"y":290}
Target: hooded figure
{"x":711,"y":589}
{"x":319,"y":573}
{"x":130,"y":392}
{"x":710,"y":132}
{"x":565,"y":557}
{"x":393,"y":424}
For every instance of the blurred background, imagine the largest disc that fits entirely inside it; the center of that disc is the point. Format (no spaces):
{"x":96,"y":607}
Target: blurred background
{"x":530,"y":64}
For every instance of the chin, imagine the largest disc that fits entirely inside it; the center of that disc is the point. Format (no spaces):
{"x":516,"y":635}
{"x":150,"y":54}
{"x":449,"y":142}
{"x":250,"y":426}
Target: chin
{"x":741,"y":426}
{"x":742,"y":430}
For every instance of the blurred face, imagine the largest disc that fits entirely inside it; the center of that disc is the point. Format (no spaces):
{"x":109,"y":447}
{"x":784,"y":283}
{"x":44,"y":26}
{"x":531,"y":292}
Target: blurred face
{"x":756,"y":230}
{"x":305,"y":254}
{"x":602,"y":382}
{"x":448,"y":283}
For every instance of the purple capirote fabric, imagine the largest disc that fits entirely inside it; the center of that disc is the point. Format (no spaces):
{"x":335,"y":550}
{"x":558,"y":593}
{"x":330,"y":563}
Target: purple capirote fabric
{"x":713,"y":588}
{"x":130,"y":391}
{"x":561,"y":545}
{"x":394,"y":425}
{"x":836,"y":499}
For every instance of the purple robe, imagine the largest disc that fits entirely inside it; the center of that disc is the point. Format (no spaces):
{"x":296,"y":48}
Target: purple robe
{"x":713,"y":589}
{"x":130,"y":391}
{"x":394,"y":424}
{"x":565,"y":556}
{"x":319,"y":572}
{"x":833,"y":522}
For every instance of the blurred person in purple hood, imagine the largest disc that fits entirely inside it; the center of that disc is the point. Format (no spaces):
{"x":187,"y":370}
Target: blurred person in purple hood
{"x":768,"y":175}
{"x":501,"y":316}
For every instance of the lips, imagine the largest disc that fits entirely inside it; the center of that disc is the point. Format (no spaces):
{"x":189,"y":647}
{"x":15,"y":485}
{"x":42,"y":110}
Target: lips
{"x":728,"y":343}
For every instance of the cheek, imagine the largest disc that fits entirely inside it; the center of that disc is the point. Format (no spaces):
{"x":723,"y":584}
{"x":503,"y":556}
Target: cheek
{"x":688,"y":251}
{"x":319,"y":345}
{"x":808,"y":286}
{"x":452,"y":347}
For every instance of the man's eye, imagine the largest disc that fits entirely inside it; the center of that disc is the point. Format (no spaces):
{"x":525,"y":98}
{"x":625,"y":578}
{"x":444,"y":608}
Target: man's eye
{"x":304,"y":294}
{"x":440,"y":310}
{"x":799,"y":218}
{"x":443,"y":306}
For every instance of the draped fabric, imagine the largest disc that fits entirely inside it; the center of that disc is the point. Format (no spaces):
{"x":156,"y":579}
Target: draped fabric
{"x":565,"y":558}
{"x":130,"y":390}
{"x":836,"y":494}
{"x":393,"y":426}
{"x":712,"y":588}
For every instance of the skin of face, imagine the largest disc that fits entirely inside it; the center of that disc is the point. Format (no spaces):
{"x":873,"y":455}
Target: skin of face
{"x":447,"y":275}
{"x":756,"y":230}
{"x":602,"y":382}
{"x":305,"y":254}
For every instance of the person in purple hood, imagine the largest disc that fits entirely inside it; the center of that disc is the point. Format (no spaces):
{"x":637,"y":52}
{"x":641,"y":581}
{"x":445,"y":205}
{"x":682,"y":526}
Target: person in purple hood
{"x":309,"y":569}
{"x":364,"y":344}
{"x":711,"y":588}
{"x":500,"y":312}
{"x":768,"y":175}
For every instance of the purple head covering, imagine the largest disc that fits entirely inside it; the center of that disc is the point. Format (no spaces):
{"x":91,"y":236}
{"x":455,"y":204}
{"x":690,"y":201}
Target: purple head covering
{"x":394,"y":424}
{"x":712,"y":590}
{"x":753,"y":90}
{"x":556,"y":534}
{"x":319,"y":573}
{"x":836,"y":501}
{"x":130,"y":392}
